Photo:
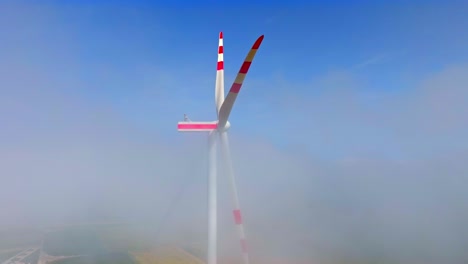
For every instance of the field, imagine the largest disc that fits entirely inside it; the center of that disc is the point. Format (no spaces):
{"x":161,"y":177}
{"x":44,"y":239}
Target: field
{"x":33,"y":258}
{"x":129,"y":238}
{"x":93,"y":244}
{"x":117,"y":244}
{"x":165,"y":255}
{"x":6,"y":254}
{"x":101,"y":258}
{"x":19,"y":238}
{"x":71,"y":242}
{"x":14,"y":241}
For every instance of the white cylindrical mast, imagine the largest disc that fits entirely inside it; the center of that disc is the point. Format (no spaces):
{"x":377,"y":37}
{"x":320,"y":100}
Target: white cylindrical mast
{"x":212,"y":193}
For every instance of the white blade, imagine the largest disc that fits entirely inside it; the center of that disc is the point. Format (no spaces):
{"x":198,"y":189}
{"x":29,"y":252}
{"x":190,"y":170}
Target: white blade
{"x":212,"y":206}
{"x":226,"y":107}
{"x":236,"y":212}
{"x":219,"y":89}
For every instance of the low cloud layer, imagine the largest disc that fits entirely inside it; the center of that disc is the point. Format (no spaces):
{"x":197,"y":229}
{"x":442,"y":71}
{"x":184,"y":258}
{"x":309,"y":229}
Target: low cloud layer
{"x":351,"y":181}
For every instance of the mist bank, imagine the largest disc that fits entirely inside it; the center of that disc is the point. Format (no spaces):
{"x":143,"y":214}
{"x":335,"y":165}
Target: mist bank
{"x":340,"y":179}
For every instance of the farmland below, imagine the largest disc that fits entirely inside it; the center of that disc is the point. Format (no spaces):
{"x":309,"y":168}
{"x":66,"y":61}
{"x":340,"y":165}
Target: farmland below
{"x":101,"y":258}
{"x":18,"y":238}
{"x":4,"y":255}
{"x":72,"y":242}
{"x":84,"y":244}
{"x":91,"y":244}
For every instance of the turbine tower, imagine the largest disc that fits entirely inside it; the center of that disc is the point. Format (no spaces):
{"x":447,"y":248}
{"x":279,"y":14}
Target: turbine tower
{"x":219,"y":129}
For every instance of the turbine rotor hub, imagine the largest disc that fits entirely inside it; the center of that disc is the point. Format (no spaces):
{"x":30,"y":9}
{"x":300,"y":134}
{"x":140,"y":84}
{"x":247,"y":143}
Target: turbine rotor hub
{"x":226,"y":127}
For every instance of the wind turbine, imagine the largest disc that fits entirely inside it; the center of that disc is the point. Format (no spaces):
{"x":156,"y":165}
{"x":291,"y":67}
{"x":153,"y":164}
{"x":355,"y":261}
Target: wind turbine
{"x":220,"y":128}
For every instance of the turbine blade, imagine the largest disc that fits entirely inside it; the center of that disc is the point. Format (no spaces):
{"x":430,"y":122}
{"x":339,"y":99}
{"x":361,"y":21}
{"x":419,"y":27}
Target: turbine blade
{"x":226,"y":107}
{"x":236,"y":212}
{"x":219,"y":89}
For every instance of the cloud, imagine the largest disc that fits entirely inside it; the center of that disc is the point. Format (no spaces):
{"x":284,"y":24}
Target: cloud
{"x":353,"y":180}
{"x":371,"y":174}
{"x":373,"y":60}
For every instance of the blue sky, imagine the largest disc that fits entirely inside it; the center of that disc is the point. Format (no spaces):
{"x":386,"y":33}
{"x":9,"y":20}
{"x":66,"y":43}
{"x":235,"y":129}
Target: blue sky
{"x":151,"y":62}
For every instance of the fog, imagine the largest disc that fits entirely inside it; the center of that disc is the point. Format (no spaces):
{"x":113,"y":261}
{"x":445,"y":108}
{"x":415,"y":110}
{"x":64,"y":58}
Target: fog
{"x":390,"y":185}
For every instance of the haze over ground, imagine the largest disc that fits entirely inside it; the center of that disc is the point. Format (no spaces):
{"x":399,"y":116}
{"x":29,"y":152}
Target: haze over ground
{"x":349,"y":137}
